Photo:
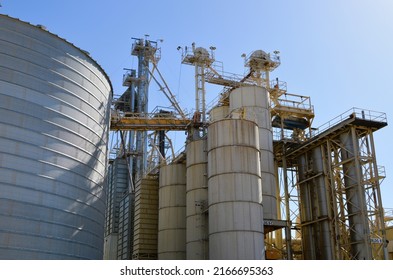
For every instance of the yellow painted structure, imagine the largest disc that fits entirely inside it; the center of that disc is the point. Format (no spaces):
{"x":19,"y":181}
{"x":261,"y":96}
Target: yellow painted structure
{"x":138,"y":122}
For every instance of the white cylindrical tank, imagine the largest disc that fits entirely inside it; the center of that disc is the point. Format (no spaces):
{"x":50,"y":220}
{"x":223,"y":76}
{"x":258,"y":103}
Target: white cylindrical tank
{"x":172,"y":212}
{"x":196,"y":195}
{"x":253,"y":101}
{"x":234,"y":191}
{"x":54,"y":123}
{"x":218,"y":113}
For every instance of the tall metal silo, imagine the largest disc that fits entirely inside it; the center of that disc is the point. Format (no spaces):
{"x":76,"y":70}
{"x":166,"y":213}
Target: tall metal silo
{"x":197,"y":242}
{"x":54,"y":122}
{"x":234,"y":191}
{"x":172,"y":212}
{"x":254,"y":103}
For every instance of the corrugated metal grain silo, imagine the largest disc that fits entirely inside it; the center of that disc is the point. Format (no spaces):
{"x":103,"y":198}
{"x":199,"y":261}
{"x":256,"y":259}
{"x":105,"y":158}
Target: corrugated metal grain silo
{"x":54,"y":122}
{"x":172,"y":212}
{"x":234,"y":191}
{"x":254,"y":101}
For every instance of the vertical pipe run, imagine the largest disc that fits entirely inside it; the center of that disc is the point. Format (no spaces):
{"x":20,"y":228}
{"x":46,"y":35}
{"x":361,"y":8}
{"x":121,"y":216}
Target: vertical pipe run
{"x":306,"y":216}
{"x":278,"y":240}
{"x":355,"y":196}
{"x":144,"y":57}
{"x":316,"y":231}
{"x":325,"y":247}
{"x":161,"y":143}
{"x":379,"y":198}
{"x":288,"y":238}
{"x":331,"y":154}
{"x":132,"y":135}
{"x":235,"y":191}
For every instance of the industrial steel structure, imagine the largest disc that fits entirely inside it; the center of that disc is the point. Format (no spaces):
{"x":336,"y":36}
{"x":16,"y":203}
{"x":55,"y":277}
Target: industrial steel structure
{"x":340,"y":207}
{"x":255,"y":180}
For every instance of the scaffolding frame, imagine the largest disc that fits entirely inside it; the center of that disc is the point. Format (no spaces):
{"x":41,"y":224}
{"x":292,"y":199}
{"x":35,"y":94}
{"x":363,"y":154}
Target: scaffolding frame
{"x":349,"y":170}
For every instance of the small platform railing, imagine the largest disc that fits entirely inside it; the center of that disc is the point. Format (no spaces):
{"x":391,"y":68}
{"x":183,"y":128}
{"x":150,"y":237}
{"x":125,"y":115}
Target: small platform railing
{"x":359,"y":113}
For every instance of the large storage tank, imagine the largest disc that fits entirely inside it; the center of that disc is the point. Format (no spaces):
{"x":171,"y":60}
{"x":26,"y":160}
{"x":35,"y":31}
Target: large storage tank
{"x":196,"y":196}
{"x":234,"y":191}
{"x":54,"y":121}
{"x":172,"y":212}
{"x":253,"y":101}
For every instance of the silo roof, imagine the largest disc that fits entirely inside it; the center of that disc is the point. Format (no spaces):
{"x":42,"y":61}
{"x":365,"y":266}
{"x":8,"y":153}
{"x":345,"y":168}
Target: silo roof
{"x":41,"y":27}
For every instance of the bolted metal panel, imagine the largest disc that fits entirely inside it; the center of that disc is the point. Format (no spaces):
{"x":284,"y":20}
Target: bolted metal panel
{"x":196,"y":196}
{"x":116,"y":187}
{"x":54,"y":123}
{"x":253,"y":104}
{"x":125,"y":241}
{"x":146,"y":219}
{"x":172,"y":212}
{"x":234,"y":191}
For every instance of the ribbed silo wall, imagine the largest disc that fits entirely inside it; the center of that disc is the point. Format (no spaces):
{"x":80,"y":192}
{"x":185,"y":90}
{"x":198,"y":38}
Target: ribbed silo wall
{"x":234,"y":191}
{"x":253,"y":101}
{"x":197,"y":242}
{"x":54,"y":121}
{"x":146,"y":219}
{"x":172,"y":212}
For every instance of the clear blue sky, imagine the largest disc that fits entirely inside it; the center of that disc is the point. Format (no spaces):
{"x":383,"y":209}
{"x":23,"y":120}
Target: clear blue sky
{"x":339,"y":52}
